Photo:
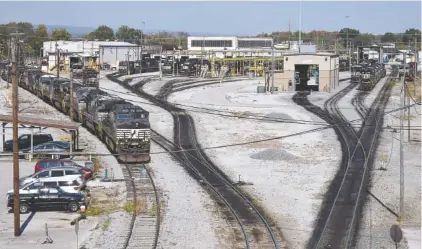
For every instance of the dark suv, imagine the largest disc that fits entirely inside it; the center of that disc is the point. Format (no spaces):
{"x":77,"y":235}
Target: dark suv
{"x":24,"y":141}
{"x":51,"y":198}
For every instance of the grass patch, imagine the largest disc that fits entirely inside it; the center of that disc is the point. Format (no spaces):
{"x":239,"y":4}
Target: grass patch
{"x":95,"y":211}
{"x":106,"y":224}
{"x":153,"y":210}
{"x":130,"y":207}
{"x":97,"y":166}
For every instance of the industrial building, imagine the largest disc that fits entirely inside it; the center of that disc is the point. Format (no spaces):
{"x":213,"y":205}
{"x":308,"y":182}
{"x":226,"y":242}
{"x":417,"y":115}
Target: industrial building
{"x":85,"y":51}
{"x":308,"y":71}
{"x":231,"y":46}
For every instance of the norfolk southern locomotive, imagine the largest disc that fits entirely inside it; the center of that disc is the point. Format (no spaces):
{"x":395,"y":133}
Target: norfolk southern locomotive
{"x":371,"y":73}
{"x":123,"y":126}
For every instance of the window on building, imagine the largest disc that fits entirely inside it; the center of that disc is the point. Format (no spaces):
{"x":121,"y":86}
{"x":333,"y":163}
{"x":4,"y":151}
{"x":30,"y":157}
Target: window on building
{"x":253,"y":43}
{"x":211,"y":43}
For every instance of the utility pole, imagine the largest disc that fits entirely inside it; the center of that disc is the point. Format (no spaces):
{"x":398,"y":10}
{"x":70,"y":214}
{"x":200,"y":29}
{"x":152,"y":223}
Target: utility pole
{"x":350,"y":58}
{"x":71,"y":97}
{"x":58,"y":60}
{"x":272,"y":68}
{"x":401,"y":147}
{"x":127,"y":66}
{"x":300,"y":24}
{"x":173,"y":62}
{"x":142,"y":47}
{"x":15,"y":109}
{"x":159,"y":65}
{"x":348,"y":47}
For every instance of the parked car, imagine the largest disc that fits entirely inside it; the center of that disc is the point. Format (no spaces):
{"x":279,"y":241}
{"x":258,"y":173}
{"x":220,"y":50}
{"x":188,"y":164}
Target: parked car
{"x":71,"y":184}
{"x":24,"y":141}
{"x":43,"y":149}
{"x":48,"y":197}
{"x":52,"y":173}
{"x":62,"y":144}
{"x":54,"y":163}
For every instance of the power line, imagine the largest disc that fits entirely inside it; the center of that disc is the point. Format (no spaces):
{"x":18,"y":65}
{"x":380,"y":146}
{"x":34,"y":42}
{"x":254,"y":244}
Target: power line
{"x":258,"y":117}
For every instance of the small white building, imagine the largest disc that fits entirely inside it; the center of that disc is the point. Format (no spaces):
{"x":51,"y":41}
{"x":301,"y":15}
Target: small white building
{"x":308,"y":71}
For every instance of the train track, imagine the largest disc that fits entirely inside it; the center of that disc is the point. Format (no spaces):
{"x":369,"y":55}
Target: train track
{"x":144,"y":228}
{"x":358,"y":102}
{"x":250,"y":225}
{"x":338,"y":219}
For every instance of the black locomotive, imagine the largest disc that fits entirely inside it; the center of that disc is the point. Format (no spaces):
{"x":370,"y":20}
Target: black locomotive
{"x":370,"y":74}
{"x":121,"y":125}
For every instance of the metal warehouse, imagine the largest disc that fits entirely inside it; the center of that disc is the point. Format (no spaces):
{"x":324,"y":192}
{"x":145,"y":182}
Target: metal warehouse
{"x":316,"y":72}
{"x":113,"y":54}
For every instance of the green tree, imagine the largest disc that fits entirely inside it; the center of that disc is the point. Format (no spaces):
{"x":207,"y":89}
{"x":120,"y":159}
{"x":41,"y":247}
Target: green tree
{"x":389,"y":37}
{"x":25,"y":27}
{"x":364,"y":39}
{"x":41,"y":35}
{"x":348,"y":33}
{"x":128,"y":34}
{"x":410,"y":34}
{"x":102,"y":33}
{"x":61,"y":34}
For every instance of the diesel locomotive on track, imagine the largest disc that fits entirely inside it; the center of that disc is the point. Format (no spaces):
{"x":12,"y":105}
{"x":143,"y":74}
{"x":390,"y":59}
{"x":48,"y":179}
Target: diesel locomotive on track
{"x":368,"y":74}
{"x":122,"y":126}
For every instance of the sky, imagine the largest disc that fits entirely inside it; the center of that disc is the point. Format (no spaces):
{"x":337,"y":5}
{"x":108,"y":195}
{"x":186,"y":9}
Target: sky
{"x":226,"y":18}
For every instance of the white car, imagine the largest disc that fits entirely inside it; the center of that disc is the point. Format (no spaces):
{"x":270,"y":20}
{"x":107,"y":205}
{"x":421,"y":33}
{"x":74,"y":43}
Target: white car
{"x":69,"y":184}
{"x":52,"y":173}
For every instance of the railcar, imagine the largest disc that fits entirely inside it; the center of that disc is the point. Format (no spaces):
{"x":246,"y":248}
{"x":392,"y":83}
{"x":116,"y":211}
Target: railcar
{"x":123,"y":126}
{"x":356,"y":74}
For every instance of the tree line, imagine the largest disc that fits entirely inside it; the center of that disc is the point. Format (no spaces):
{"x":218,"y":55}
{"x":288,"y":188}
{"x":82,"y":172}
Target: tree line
{"x":35,"y":36}
{"x":353,"y":36}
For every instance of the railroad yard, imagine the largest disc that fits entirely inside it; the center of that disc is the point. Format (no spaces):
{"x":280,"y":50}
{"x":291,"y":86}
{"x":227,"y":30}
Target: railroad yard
{"x":131,"y":139}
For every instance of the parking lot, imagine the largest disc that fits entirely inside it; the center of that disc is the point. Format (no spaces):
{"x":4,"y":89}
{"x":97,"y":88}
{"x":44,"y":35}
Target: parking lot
{"x":33,"y":224}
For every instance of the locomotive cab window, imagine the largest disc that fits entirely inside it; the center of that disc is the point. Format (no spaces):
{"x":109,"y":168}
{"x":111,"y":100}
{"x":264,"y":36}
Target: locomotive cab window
{"x":124,"y":116}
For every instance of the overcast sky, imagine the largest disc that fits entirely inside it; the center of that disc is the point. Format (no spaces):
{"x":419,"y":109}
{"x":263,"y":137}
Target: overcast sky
{"x":237,"y":18}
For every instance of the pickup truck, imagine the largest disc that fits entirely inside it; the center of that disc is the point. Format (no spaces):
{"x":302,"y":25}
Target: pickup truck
{"x":47,"y":198}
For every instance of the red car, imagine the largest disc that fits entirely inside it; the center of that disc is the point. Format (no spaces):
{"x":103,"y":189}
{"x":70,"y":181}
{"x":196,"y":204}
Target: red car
{"x":53,"y":163}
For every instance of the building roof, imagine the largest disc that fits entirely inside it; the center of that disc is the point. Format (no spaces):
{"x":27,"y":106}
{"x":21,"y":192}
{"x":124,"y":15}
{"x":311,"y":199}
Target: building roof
{"x":25,"y":120}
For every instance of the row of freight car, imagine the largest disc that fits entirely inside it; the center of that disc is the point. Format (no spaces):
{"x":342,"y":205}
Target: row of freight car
{"x":367,"y":74}
{"x":122,"y":126}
